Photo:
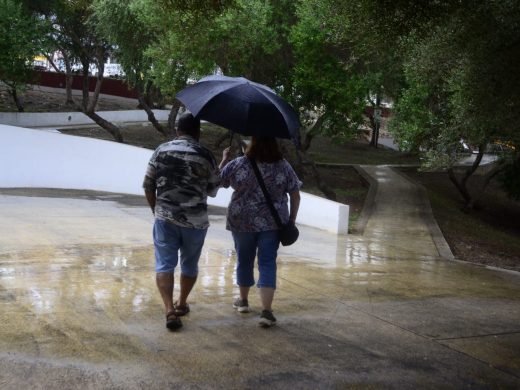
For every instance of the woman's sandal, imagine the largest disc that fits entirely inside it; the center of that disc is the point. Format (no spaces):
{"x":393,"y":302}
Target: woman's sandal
{"x":173,"y":322}
{"x":181,"y":310}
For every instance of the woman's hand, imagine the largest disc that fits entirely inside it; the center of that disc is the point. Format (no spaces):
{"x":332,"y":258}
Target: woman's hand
{"x":226,"y":153}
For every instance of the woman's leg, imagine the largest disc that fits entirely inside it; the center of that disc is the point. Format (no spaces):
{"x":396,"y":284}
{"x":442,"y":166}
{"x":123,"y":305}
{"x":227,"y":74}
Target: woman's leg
{"x":268,"y":243}
{"x":244,"y":292}
{"x":245,"y":246}
{"x":266,"y":296}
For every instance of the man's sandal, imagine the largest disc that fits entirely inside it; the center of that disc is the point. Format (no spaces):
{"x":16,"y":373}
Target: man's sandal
{"x":173,"y":322}
{"x":181,"y":310}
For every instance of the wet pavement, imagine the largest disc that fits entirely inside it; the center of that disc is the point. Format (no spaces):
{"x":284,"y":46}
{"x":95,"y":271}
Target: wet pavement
{"x":79,"y":306}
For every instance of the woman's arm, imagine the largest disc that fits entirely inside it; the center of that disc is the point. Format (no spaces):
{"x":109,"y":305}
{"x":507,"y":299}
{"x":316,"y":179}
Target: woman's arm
{"x":294,"y":198}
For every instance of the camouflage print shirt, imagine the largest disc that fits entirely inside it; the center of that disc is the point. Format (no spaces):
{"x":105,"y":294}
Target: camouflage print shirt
{"x":183,"y":173}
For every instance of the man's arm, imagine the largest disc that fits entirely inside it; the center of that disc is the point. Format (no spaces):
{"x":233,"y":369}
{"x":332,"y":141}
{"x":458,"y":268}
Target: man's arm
{"x":150,"y":187}
{"x":151,"y":198}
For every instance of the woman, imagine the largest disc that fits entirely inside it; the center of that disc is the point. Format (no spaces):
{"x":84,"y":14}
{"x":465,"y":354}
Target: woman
{"x":250,"y":220}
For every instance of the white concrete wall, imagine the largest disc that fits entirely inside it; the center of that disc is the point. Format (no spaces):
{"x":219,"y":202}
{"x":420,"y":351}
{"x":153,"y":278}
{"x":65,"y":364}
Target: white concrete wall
{"x":62,"y":119}
{"x":37,"y":158}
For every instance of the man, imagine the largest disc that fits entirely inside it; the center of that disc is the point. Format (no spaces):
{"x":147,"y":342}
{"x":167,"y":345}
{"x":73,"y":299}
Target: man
{"x":180,"y":175}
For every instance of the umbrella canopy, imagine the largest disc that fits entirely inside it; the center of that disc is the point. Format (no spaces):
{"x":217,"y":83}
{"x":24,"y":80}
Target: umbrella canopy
{"x":242,"y":106}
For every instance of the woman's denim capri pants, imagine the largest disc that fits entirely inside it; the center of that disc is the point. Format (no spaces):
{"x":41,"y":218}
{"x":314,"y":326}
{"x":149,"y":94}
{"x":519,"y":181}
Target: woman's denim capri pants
{"x":247,"y":244}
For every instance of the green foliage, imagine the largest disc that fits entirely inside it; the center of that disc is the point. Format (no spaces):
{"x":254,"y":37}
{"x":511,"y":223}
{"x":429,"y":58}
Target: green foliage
{"x":324,"y":78}
{"x":22,"y":40}
{"x":463,"y":80}
{"x":246,"y":38}
{"x":121,"y":22}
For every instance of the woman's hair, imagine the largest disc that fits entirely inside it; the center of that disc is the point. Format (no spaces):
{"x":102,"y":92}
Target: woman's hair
{"x":264,"y":149}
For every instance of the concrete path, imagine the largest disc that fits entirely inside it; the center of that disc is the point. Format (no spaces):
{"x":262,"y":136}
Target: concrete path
{"x":399,"y":215}
{"x":79,"y":307}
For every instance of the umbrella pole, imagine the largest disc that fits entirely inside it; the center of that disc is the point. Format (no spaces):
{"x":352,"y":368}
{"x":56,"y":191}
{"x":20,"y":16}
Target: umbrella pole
{"x":231,"y":134}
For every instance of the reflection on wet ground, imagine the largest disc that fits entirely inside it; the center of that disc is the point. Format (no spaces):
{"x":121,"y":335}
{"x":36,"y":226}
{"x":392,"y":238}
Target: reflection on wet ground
{"x":78,"y":306}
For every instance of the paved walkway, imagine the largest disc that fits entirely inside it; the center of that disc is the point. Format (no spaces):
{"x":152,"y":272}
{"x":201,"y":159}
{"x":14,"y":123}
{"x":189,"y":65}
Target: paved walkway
{"x":79,"y":308}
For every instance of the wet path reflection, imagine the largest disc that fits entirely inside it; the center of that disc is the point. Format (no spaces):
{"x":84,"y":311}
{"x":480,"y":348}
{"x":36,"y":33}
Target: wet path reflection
{"x":78,"y":301}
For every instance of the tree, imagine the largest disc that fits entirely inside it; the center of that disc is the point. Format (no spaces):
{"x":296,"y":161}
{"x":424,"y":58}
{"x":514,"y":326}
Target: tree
{"x":235,"y":37}
{"x":74,"y":35}
{"x":122,"y":24}
{"x":22,"y":40}
{"x":463,"y":82}
{"x":176,"y":55}
{"x":252,"y":39}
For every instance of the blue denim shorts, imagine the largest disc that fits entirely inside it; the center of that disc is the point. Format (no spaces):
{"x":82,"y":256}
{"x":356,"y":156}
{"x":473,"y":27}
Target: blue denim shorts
{"x":169,"y":239}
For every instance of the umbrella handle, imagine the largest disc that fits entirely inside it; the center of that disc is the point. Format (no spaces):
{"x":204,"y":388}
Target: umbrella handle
{"x":232,"y":133}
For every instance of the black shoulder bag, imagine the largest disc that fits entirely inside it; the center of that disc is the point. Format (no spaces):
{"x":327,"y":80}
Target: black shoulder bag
{"x":289,"y":232}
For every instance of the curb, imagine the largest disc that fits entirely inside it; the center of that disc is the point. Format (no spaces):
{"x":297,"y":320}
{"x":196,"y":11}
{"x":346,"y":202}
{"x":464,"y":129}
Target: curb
{"x":369,"y":204}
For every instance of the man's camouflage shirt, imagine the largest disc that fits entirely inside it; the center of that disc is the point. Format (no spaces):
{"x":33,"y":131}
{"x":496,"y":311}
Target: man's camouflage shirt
{"x":183,"y":173}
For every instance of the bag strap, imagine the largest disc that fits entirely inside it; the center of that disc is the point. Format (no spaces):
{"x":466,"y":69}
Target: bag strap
{"x":274,"y":213}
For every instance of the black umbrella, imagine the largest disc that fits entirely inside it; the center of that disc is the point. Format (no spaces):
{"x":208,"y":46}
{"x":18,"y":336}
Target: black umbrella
{"x":242,"y":106}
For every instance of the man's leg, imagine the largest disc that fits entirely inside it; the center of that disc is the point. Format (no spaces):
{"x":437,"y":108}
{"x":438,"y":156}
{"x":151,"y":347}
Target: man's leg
{"x":166,"y":242}
{"x":165,"y":282}
{"x":187,"y":283}
{"x":191,"y":248}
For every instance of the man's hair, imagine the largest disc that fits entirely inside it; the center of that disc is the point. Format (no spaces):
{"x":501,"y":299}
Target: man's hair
{"x":264,"y":149}
{"x":188,"y":124}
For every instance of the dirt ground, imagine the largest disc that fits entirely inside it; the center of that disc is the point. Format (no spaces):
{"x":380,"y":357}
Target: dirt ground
{"x":489,"y":235}
{"x":35,"y":100}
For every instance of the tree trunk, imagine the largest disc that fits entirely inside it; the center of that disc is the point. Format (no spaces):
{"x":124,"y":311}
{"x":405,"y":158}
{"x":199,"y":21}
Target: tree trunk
{"x":173,"y":115}
{"x":99,"y":80}
{"x":17,"y":100}
{"x":487,"y":179}
{"x":108,"y":126}
{"x":309,"y":134}
{"x":85,"y":89}
{"x":303,"y":160}
{"x":461,"y":184}
{"x":68,"y":78}
{"x":49,"y":58}
{"x":151,"y":116}
{"x":89,"y":105}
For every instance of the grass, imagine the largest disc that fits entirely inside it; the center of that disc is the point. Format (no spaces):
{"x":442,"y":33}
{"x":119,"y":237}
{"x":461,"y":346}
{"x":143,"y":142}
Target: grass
{"x":324,"y":150}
